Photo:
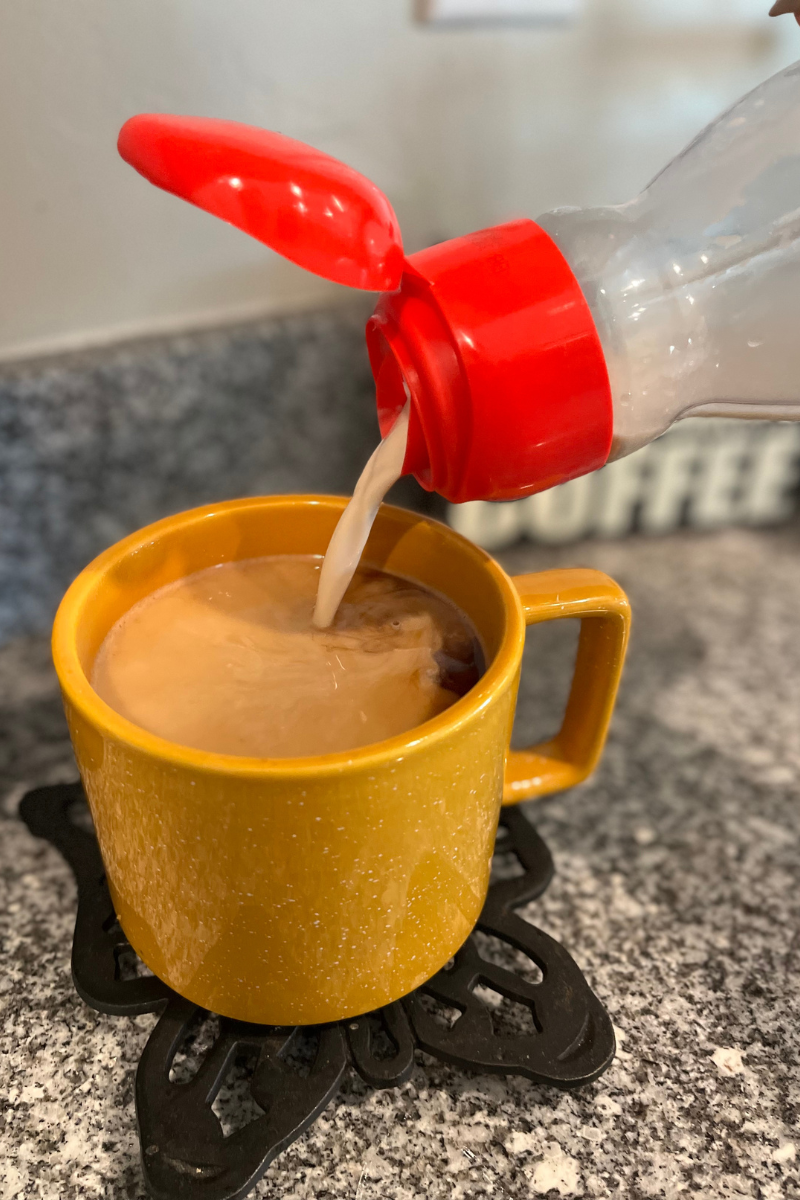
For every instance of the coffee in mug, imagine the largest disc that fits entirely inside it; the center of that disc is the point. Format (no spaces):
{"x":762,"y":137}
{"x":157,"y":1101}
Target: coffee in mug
{"x":228,"y":660}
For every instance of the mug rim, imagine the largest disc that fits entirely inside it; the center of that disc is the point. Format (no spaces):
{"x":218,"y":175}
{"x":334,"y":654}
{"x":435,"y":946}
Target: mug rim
{"x":78,"y":691}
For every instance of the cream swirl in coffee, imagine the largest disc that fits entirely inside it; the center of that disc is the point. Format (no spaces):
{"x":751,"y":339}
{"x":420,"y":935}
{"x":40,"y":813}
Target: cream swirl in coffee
{"x":228,"y":660}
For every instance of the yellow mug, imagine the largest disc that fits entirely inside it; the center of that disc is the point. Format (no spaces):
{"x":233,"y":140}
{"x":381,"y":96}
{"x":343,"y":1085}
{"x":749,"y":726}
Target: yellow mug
{"x":302,"y":890}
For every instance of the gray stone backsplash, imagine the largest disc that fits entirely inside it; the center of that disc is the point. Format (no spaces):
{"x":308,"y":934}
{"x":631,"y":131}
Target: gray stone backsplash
{"x":95,"y":445}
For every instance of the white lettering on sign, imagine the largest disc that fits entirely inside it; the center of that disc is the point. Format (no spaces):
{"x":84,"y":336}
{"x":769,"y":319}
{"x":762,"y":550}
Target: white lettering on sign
{"x":704,"y":473}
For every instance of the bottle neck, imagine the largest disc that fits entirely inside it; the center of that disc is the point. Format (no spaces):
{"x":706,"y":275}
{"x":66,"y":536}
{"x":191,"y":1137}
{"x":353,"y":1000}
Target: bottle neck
{"x":694,"y":319}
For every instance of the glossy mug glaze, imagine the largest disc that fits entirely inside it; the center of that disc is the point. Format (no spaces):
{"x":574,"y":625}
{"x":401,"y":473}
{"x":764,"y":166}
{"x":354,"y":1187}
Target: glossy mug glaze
{"x":295,"y":891}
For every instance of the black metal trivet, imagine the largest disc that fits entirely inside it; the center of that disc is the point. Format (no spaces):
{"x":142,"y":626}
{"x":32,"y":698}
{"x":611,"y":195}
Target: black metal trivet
{"x":556,"y":1032}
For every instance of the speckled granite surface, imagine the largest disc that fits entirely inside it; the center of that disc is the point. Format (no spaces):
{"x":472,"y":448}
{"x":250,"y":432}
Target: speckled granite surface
{"x":677,"y":890}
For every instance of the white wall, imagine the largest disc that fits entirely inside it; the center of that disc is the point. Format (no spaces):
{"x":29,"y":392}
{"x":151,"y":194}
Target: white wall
{"x":461,"y":128}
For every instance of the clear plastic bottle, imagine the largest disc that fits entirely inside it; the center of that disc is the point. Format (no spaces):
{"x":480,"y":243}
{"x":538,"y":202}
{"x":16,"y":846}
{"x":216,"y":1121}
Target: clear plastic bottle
{"x":694,"y":286}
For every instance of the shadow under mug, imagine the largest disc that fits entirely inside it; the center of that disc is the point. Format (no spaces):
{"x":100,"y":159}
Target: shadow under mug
{"x":296,"y":891}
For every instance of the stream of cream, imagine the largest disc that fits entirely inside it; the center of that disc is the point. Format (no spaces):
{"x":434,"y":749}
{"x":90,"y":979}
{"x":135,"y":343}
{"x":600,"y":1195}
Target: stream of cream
{"x":384,"y":468}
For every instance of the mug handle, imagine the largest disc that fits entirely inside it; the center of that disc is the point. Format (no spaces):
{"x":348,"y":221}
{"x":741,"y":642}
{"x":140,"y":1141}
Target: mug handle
{"x":605,"y":616}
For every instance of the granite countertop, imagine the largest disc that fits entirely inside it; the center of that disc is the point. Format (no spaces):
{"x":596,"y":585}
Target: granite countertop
{"x":677,"y":891}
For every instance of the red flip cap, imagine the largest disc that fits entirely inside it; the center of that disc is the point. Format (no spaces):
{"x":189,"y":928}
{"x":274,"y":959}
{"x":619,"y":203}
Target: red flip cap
{"x":309,"y":207}
{"x":490,"y":333}
{"x":497,"y":346}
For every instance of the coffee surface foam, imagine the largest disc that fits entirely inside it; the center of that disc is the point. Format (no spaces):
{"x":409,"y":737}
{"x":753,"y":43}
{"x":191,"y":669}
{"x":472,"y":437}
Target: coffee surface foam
{"x":229,"y":660}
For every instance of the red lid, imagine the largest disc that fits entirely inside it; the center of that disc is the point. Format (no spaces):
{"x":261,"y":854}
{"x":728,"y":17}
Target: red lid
{"x":496,"y":343}
{"x":308,"y":206}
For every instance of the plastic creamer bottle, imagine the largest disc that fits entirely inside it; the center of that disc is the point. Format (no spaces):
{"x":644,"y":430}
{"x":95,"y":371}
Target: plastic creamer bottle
{"x":533,"y":352}
{"x":585,"y":335}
